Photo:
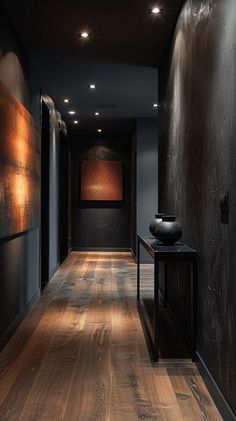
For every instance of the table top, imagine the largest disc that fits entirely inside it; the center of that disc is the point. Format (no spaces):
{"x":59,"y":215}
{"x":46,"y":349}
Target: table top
{"x":155,"y":247}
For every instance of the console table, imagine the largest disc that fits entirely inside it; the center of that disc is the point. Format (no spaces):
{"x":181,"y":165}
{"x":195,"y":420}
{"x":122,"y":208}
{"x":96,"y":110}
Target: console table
{"x":174,"y":279}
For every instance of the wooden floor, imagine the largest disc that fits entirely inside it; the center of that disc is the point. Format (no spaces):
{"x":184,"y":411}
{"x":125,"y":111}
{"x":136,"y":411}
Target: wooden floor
{"x":80,"y":354}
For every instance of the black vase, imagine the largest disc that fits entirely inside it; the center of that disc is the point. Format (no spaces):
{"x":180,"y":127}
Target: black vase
{"x":155,"y":222}
{"x":168,"y":231}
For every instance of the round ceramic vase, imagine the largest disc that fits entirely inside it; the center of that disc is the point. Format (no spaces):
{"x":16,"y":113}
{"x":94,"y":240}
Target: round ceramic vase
{"x":168,"y":231}
{"x":153,"y":225}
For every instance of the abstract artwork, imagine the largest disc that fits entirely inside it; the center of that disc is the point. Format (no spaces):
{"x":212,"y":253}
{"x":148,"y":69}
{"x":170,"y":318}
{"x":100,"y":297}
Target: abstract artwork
{"x":19,"y":167}
{"x":101,"y":180}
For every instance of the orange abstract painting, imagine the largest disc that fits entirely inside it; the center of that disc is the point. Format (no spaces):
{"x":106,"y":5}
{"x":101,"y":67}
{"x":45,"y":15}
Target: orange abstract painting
{"x":19,"y":167}
{"x":101,"y":180}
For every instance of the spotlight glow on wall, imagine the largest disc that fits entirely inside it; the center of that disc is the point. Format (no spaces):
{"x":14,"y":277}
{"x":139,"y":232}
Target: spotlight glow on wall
{"x":76,"y":122}
{"x":92,"y":86}
{"x":97,"y":113}
{"x":71,"y":112}
{"x":84,"y":35}
{"x":155,"y":11}
{"x":99,"y":130}
{"x":66,"y":100}
{"x":155,"y":105}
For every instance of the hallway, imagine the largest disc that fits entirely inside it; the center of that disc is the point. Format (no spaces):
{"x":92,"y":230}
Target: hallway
{"x":81,"y":355}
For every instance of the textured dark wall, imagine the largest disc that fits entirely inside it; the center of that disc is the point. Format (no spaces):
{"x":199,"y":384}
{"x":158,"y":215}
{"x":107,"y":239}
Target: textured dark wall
{"x":105,"y":224}
{"x":19,"y":257}
{"x":197,"y":89}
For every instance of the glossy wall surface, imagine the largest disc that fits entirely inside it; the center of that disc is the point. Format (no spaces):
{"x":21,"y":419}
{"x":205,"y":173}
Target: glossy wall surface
{"x":197,"y":164}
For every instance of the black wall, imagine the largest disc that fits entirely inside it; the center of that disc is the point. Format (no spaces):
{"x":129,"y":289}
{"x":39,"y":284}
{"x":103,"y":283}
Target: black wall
{"x":104,"y":225}
{"x":197,"y":89}
{"x":19,"y":257}
{"x":147,"y":173}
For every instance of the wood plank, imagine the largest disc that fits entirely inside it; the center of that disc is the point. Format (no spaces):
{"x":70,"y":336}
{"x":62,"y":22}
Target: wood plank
{"x":135,"y":395}
{"x":16,"y":383}
{"x":15,"y":346}
{"x":193,"y":397}
{"x":47,"y":395}
{"x":81,"y":354}
{"x":89,"y":394}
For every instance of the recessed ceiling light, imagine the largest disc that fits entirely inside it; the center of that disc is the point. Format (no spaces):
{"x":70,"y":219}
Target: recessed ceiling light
{"x":76,"y":122}
{"x":155,"y":11}
{"x":97,"y":113}
{"x":99,"y":130}
{"x":84,"y":35}
{"x":92,"y":86}
{"x":71,"y":112}
{"x":66,"y":100}
{"x":155,"y":105}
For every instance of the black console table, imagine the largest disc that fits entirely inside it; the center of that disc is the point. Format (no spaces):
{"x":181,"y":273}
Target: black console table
{"x":174,"y":279}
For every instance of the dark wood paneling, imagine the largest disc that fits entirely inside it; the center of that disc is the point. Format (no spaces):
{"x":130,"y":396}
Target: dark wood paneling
{"x":101,"y":224}
{"x":179,"y":294}
{"x":198,"y":164}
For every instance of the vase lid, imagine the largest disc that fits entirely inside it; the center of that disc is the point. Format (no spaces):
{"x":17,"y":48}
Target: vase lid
{"x":159,"y":215}
{"x":168,"y":218}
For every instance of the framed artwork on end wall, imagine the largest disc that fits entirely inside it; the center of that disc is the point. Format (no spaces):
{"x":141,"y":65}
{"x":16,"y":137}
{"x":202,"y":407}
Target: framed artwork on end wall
{"x":101,"y":180}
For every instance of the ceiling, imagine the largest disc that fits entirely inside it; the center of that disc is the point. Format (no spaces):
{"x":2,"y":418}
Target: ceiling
{"x":122,"y":56}
{"x":122,"y":30}
{"x":124,"y":92}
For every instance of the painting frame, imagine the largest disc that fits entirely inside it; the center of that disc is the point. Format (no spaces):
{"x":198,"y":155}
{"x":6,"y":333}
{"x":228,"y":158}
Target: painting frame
{"x":101,"y":182}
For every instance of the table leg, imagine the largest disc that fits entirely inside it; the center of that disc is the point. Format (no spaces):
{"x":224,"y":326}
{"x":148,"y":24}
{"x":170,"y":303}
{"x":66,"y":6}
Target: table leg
{"x":156,"y":310}
{"x":194,"y":307}
{"x":138,"y":270}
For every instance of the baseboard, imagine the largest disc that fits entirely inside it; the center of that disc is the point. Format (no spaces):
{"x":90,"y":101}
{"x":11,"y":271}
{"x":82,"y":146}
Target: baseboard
{"x":52,"y":273}
{"x":105,"y":249}
{"x":216,"y":394}
{"x":133,"y":255}
{"x":4,"y":339}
